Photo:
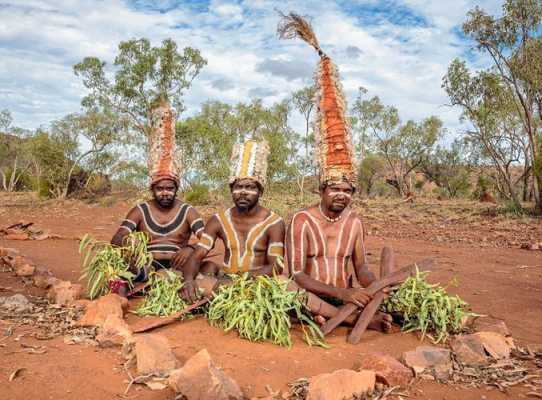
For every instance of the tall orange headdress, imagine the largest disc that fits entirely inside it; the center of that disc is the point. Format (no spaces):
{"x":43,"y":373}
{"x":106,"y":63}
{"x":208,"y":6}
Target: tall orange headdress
{"x":164,"y":161}
{"x":331,"y":125}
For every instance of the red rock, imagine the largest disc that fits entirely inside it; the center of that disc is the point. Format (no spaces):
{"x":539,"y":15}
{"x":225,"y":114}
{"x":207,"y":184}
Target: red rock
{"x":64,"y":292}
{"x":25,"y":270}
{"x":97,"y":311}
{"x":43,"y":278}
{"x":388,"y":370}
{"x":483,"y":324}
{"x":530,"y":246}
{"x":8,"y":252}
{"x":469,"y":350}
{"x":17,"y":236}
{"x":154,"y":354}
{"x":200,"y":379}
{"x":497,"y":345}
{"x":434,"y":360}
{"x":19,"y":261}
{"x":81,"y":304}
{"x":114,"y":332}
{"x":340,"y":384}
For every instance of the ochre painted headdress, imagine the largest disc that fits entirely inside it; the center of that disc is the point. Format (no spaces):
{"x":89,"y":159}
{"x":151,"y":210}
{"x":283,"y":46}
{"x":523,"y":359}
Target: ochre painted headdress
{"x":249,"y":160}
{"x":164,"y":161}
{"x":331,"y":126}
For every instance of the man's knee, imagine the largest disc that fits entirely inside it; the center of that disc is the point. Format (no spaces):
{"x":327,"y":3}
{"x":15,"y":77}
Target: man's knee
{"x":209,"y":268}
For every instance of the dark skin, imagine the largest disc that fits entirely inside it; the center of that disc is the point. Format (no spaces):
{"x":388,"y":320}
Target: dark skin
{"x":334,"y":200}
{"x":246,"y":213}
{"x":164,"y":206}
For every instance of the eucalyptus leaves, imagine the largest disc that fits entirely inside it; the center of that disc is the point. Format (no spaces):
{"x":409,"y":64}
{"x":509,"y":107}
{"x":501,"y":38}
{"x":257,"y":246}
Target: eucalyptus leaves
{"x":162,"y":296}
{"x":103,"y":263}
{"x":427,"y":308}
{"x":259,"y":309}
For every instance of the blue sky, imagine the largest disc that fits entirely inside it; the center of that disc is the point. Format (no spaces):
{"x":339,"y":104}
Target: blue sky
{"x":397,"y":49}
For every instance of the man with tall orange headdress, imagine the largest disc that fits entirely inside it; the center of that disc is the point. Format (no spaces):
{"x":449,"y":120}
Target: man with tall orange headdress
{"x":168,"y":221}
{"x":253,"y":236}
{"x":323,"y":240}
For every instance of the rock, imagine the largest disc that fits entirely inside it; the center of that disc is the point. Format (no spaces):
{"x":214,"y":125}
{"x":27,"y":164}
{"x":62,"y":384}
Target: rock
{"x":16,"y":304}
{"x":8,"y":252}
{"x":114,"y":332}
{"x":200,"y":379}
{"x":17,"y":236}
{"x":25,"y":270}
{"x":469,"y":350}
{"x":496,"y":345}
{"x":81,"y":304}
{"x":43,"y":278}
{"x":483,"y":324}
{"x":19,"y":261}
{"x":154,"y":354}
{"x":530,"y":246}
{"x":64,"y":292}
{"x":431,"y":359}
{"x":388,"y":370}
{"x":97,"y":311}
{"x":340,"y":384}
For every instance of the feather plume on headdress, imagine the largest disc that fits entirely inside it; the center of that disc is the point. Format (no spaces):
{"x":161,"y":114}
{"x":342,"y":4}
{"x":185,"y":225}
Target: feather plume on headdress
{"x":331,"y":126}
{"x":249,"y":160}
{"x":164,"y":161}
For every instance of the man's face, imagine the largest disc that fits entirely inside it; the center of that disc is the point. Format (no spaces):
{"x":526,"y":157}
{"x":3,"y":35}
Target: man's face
{"x":337,"y":196}
{"x":245,"y":194}
{"x":164,"y":192}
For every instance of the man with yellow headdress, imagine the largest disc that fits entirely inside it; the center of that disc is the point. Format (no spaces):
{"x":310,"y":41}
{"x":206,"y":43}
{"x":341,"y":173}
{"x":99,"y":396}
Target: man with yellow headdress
{"x":324,"y":240}
{"x":253,"y":236}
{"x":168,"y":221}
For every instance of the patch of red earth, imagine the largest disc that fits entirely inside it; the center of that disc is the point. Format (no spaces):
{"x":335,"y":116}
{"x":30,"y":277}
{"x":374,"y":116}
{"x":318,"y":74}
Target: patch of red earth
{"x":489,"y":279}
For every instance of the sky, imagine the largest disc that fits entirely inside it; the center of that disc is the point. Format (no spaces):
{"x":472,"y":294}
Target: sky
{"x":397,"y":49}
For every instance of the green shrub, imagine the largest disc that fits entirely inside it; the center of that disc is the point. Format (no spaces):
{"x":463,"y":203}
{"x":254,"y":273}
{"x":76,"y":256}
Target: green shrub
{"x":197,"y":195}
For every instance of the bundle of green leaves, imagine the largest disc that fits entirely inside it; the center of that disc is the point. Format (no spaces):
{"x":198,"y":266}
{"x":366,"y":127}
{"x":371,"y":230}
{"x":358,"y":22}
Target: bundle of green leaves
{"x":427,"y":308}
{"x":162,"y":295}
{"x":259,"y":309}
{"x":103,"y":263}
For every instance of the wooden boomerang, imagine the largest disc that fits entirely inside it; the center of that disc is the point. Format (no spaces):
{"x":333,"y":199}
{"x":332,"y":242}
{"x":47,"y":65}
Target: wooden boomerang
{"x":427,"y":264}
{"x":148,"y":323}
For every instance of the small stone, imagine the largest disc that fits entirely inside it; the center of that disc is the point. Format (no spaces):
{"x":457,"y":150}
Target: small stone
{"x":97,"y":311}
{"x":114,"y":332}
{"x":17,"y":236}
{"x":19,"y":261}
{"x":81,"y":304}
{"x":25,"y":270}
{"x":200,"y":379}
{"x":154,"y":354}
{"x":64,"y":292}
{"x":341,"y":384}
{"x":8,"y":252}
{"x":483,"y":324}
{"x":530,"y":246}
{"x":469,"y":350}
{"x":388,"y":369}
{"x":43,"y":278}
{"x":16,"y":303}
{"x":496,"y":345}
{"x":436,"y":360}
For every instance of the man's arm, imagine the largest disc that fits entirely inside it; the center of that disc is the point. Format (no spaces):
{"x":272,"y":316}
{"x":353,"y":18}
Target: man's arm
{"x":359,"y":258}
{"x":192,"y":265}
{"x":275,"y":249}
{"x":128,"y":225}
{"x":195,"y":222}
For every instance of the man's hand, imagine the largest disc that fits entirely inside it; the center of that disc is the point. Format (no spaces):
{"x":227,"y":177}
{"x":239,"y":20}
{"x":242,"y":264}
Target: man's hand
{"x":189,"y":291}
{"x":180,"y":257}
{"x":358,"y":296}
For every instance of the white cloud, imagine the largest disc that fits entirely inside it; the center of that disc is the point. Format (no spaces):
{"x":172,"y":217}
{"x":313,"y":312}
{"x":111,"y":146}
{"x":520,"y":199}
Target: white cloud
{"x":403,"y":64}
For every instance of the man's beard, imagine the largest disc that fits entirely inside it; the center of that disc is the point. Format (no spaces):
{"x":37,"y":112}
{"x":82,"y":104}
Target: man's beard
{"x":247,"y":206}
{"x":166,"y":203}
{"x":337,"y":208}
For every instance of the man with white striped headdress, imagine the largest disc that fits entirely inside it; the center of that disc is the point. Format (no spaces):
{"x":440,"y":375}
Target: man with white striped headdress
{"x":323,"y":240}
{"x":168,"y":221}
{"x":253,"y":236}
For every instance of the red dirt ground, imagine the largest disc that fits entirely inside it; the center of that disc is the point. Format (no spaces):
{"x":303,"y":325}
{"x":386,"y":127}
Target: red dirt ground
{"x":490,"y":279}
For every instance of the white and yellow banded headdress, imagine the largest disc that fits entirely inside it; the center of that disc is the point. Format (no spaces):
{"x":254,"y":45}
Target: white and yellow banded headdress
{"x":331,"y":126}
{"x":249,"y":160}
{"x":164,"y":160}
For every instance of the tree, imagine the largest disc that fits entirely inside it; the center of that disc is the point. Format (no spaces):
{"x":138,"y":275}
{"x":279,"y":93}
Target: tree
{"x":403,"y":146}
{"x":5,"y":120}
{"x":303,"y":101}
{"x":144,"y":75}
{"x":448,"y":168}
{"x":513,"y":44}
{"x":371,"y":169}
{"x":14,"y":163}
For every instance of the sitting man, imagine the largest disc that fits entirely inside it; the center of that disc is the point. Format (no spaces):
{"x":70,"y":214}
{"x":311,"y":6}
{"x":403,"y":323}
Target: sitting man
{"x":253,"y":236}
{"x":324,"y":239}
{"x":167,"y":221}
